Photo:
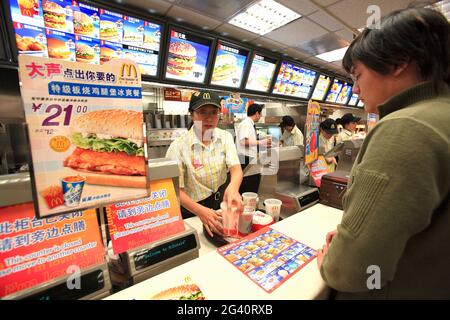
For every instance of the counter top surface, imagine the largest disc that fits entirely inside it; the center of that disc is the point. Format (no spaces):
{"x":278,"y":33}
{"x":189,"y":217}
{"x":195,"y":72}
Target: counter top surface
{"x":220,"y":280}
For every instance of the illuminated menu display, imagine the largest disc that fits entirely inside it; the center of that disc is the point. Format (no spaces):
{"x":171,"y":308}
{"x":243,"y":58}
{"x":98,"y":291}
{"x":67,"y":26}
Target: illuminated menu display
{"x":294,"y":81}
{"x":261,"y":73}
{"x":360,"y":104}
{"x":353,"y":100}
{"x":321,"y":87}
{"x":344,"y":94}
{"x":187,"y":57}
{"x":229,"y":66}
{"x":74,"y":31}
{"x":334,"y":91}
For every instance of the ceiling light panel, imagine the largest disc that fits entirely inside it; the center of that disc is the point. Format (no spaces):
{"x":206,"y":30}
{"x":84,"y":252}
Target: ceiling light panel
{"x":264,"y":16}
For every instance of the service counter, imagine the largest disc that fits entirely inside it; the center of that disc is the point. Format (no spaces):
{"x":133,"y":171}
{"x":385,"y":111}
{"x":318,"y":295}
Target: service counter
{"x":220,"y":280}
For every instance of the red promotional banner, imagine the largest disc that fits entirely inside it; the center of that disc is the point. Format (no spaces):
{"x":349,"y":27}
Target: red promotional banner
{"x":34,"y":251}
{"x":133,"y":224}
{"x":318,"y":169}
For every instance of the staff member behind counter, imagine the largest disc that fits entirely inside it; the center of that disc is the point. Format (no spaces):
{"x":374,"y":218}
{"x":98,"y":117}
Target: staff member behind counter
{"x":348,"y":122}
{"x":327,"y":141}
{"x":205,"y":155}
{"x":292,"y":136}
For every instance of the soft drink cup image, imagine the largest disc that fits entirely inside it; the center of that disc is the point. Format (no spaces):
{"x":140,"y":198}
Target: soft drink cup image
{"x":230,"y":220}
{"x":250,"y":199}
{"x":72,"y":189}
{"x":273,"y":208}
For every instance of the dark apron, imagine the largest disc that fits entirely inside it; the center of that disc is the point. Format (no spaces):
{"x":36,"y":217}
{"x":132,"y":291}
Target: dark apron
{"x":212,"y":202}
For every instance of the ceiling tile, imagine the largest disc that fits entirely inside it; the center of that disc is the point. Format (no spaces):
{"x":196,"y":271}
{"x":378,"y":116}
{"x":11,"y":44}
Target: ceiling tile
{"x":354,"y":12}
{"x":296,"y":53}
{"x":325,"y":43}
{"x":193,"y":18}
{"x":239,"y":34}
{"x":269,"y":44}
{"x":218,"y":9}
{"x":326,"y":21}
{"x":304,"y":7}
{"x":326,"y":3}
{"x":153,"y":6}
{"x":345,"y":34}
{"x":297,"y":32}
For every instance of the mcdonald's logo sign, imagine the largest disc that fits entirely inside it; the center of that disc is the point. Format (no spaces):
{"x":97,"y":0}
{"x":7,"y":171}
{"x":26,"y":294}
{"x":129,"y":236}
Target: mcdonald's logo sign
{"x":127,"y":70}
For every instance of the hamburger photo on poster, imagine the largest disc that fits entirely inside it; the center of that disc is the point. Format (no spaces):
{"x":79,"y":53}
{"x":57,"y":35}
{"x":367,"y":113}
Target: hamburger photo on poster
{"x":61,"y":45}
{"x":87,"y":139}
{"x":86,"y":20}
{"x":111,"y":26}
{"x":187,"y":57}
{"x":58,"y":15}
{"x":87,"y":50}
{"x":109,"y":51}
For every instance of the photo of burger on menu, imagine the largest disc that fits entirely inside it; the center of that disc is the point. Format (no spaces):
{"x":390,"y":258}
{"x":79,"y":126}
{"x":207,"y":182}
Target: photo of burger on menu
{"x":60,"y":45}
{"x":111,"y":26}
{"x":87,"y":50}
{"x":58,"y":15}
{"x":187,"y":58}
{"x":86,"y":20}
{"x":109,"y":51}
{"x":152,"y":36}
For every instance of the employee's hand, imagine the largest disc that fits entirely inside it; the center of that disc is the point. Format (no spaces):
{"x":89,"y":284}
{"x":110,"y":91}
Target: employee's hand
{"x":232,"y":198}
{"x":331,"y":160}
{"x":211,"y":220}
{"x":330,"y":236}
{"x":321,"y":254}
{"x":266,"y":142}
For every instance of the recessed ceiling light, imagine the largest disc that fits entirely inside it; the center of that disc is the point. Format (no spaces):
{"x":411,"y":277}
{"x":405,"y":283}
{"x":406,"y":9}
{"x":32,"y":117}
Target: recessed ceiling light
{"x":179,"y":19}
{"x":225,"y":33}
{"x":264,"y":16}
{"x":205,"y":28}
{"x":442,"y":6}
{"x":334,"y":55}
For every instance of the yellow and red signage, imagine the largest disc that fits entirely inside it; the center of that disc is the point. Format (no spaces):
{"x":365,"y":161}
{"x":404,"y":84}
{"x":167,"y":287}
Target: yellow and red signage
{"x":133,"y":224}
{"x":34,"y":251}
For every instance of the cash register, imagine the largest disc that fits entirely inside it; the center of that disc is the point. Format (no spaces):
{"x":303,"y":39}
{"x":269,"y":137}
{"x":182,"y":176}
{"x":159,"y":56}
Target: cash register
{"x":334,"y":184}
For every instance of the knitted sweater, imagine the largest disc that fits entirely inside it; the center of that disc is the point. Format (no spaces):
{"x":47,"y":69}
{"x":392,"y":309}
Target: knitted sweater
{"x":396,"y":208}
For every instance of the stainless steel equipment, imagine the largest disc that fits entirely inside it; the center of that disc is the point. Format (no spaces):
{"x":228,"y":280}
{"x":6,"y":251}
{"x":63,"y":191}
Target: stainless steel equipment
{"x":287,"y":180}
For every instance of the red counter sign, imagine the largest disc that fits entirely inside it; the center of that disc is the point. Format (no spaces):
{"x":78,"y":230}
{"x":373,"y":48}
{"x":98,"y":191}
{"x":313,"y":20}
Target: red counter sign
{"x":133,"y":224}
{"x":34,"y":251}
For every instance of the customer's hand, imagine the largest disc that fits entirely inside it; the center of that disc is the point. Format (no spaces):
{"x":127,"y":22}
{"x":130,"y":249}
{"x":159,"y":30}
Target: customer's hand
{"x":211,"y":220}
{"x":321,"y":254}
{"x":232,"y":198}
{"x":330,"y":236}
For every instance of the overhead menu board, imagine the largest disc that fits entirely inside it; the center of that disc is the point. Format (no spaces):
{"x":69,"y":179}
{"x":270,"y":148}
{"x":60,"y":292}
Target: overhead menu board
{"x":229,"y":65}
{"x":187,"y":57}
{"x":321,"y":87}
{"x":344,"y":94}
{"x":294,"y":81}
{"x":334,"y":91}
{"x":75,"y":31}
{"x":353,"y":100}
{"x":261,"y":73}
{"x":360,"y":104}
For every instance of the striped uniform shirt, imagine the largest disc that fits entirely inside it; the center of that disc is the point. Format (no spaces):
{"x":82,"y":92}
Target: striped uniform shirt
{"x":203,"y":169}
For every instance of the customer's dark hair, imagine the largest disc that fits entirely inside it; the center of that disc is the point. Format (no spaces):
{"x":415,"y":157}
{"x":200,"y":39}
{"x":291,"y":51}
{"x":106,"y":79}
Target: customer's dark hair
{"x":415,"y":34}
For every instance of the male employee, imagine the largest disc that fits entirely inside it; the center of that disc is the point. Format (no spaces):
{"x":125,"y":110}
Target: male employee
{"x":248,"y":145}
{"x":292,"y":136}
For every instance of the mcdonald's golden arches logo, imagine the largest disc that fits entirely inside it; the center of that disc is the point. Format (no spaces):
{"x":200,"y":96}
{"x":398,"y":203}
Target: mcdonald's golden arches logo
{"x":127,"y":70}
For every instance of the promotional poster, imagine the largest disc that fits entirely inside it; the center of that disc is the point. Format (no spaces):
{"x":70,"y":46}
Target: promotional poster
{"x":294,"y":81}
{"x":321,"y":88}
{"x":85,"y":128}
{"x":312,"y":132}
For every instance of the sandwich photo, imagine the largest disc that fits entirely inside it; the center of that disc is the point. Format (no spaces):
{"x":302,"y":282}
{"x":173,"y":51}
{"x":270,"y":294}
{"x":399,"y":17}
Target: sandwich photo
{"x":109,"y":148}
{"x":182,"y":57}
{"x":108,"y":30}
{"x":82,"y":23}
{"x":107,"y":54}
{"x":58,"y":49}
{"x":54,"y":15}
{"x":85,"y":53}
{"x":183,"y":292}
{"x":225,"y":67}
